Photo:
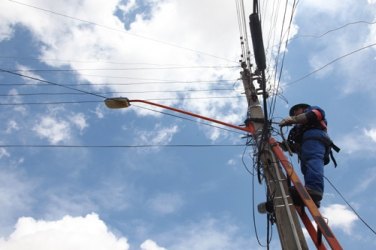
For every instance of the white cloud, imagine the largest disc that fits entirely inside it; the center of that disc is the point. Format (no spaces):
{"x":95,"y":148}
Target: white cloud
{"x":52,"y":129}
{"x":151,"y":245}
{"x":11,"y":126}
{"x":79,"y":120}
{"x":131,"y":4}
{"x":208,"y":234}
{"x":15,"y":196}
{"x":157,"y":136}
{"x":151,"y":42}
{"x":365,"y":182}
{"x":25,"y":70}
{"x":331,"y":7}
{"x":231,"y":162}
{"x":99,"y":112}
{"x":15,"y":98}
{"x":359,"y":142}
{"x":340,"y":217}
{"x":58,"y":126}
{"x":166,"y":203}
{"x":352,"y":19}
{"x":4,"y":153}
{"x":69,"y":233}
{"x":371,"y":133}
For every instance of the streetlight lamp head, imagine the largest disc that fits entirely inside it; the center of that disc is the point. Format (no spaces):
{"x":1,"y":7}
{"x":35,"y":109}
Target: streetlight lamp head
{"x":117,"y":102}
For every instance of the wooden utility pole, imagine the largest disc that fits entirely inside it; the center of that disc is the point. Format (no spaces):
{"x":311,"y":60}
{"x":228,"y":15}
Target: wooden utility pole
{"x":271,"y":159}
{"x":286,"y":219}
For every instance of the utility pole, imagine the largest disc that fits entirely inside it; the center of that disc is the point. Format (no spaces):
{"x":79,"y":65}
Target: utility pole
{"x":271,"y":160}
{"x":289,"y":229}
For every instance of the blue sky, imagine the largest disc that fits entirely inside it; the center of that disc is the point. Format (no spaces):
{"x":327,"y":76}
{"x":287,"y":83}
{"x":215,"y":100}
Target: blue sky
{"x":183,"y":54}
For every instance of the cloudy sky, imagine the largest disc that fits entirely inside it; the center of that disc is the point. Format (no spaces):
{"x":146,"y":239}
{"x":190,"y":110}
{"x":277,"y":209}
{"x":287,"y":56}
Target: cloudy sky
{"x":76,"y":175}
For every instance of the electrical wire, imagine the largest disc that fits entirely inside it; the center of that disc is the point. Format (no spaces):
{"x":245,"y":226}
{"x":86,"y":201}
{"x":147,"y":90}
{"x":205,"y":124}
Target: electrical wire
{"x":218,"y":82}
{"x":121,"y":146}
{"x":274,"y":99}
{"x":51,"y":83}
{"x":48,"y":103}
{"x":329,"y":63}
{"x":123,"y":69}
{"x":351,"y":207}
{"x":90,"y":101}
{"x":118,"y":30}
{"x":115,"y":92}
{"x":335,"y":29}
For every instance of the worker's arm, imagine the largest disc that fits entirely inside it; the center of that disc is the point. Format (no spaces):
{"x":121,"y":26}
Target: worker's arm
{"x":297,"y":119}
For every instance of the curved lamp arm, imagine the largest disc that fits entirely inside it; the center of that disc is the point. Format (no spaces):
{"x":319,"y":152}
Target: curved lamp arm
{"x":123,"y":102}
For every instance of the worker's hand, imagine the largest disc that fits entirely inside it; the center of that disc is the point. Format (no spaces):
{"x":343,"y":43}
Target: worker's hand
{"x":287,"y":121}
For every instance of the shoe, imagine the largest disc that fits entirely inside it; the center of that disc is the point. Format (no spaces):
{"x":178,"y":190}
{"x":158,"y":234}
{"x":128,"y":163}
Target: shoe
{"x":316,"y":196}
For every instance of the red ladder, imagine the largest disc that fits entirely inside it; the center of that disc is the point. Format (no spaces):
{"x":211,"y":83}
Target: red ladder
{"x":322,"y":227}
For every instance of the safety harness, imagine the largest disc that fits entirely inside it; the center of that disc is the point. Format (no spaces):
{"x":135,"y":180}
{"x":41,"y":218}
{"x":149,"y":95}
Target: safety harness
{"x":296,"y":137}
{"x":329,"y":147}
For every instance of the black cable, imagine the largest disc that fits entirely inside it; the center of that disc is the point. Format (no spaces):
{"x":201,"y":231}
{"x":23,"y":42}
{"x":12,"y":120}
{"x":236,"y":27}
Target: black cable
{"x":126,"y":84}
{"x":253,"y":212}
{"x":245,"y":164}
{"x":115,"y":92}
{"x":49,"y":82}
{"x":273,"y":102}
{"x":348,"y":204}
{"x":335,"y":29}
{"x":118,"y":30}
{"x":89,"y":101}
{"x":121,"y":146}
{"x":121,"y":69}
{"x":329,"y":63}
{"x":48,"y":103}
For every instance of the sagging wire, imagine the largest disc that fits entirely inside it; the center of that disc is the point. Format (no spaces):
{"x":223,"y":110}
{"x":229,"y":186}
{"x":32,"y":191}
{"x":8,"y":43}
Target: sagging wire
{"x":351,"y":207}
{"x":269,"y":235}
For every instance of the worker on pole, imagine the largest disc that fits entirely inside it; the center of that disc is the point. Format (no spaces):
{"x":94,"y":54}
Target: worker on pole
{"x":310,"y":141}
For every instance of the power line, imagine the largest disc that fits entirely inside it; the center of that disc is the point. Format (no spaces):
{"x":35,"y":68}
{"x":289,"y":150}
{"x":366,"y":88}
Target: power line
{"x":329,"y":63}
{"x":335,"y":29}
{"x":48,"y":103}
{"x":92,"y":61}
{"x":89,"y":101}
{"x":122,"y":146}
{"x":118,"y":30}
{"x":348,"y":204}
{"x":274,"y":99}
{"x":123,"y":69}
{"x":220,"y":82}
{"x":49,"y":82}
{"x":115,"y":92}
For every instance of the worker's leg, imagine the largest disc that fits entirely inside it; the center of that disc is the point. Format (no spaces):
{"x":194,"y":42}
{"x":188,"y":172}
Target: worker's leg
{"x":312,"y":155}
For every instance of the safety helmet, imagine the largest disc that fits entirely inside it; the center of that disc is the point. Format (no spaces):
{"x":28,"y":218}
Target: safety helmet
{"x":298,"y":106}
